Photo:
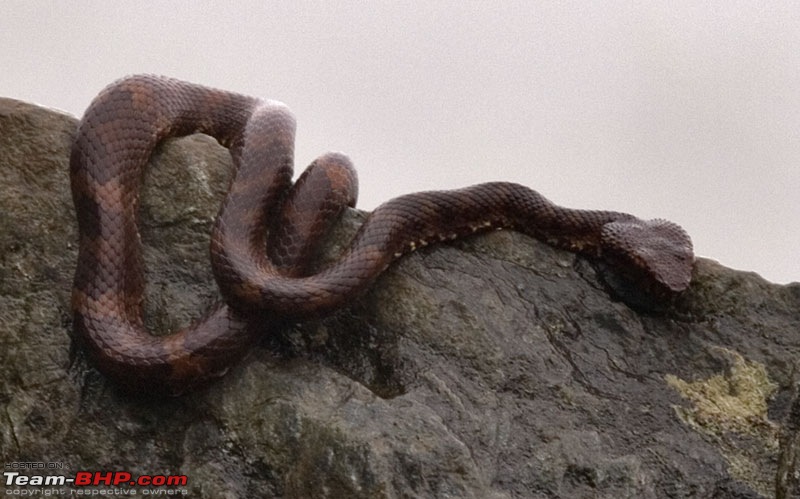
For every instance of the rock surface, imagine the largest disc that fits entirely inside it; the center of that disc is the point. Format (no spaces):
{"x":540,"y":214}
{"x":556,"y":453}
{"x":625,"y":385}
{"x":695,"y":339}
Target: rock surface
{"x":494,"y":367}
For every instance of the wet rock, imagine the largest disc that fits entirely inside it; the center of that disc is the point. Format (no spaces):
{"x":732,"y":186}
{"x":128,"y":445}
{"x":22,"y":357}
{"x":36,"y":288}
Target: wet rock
{"x":493,"y":367}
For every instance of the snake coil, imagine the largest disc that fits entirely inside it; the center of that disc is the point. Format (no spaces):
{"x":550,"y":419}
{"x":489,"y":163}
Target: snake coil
{"x":267,"y":229}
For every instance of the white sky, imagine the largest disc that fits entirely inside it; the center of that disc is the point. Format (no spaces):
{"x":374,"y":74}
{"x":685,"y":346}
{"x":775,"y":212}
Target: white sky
{"x":682,"y":110}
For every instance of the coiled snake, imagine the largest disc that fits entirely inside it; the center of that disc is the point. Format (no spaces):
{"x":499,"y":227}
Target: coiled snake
{"x":267,"y":229}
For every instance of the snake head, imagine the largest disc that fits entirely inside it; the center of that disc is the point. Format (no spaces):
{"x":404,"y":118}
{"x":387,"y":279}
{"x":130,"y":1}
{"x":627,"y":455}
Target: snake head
{"x":655,"y":255}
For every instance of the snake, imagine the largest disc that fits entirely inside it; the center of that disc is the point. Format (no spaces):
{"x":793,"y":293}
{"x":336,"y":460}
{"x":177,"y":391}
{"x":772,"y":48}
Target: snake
{"x":269,"y":229}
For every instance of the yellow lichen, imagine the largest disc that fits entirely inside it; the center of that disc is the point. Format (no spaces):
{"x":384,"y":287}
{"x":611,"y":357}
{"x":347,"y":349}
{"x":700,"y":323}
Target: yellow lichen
{"x":730,"y":404}
{"x":735,"y":400}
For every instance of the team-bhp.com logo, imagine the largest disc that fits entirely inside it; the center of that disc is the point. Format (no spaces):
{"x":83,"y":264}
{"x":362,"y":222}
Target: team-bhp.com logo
{"x":94,"y":483}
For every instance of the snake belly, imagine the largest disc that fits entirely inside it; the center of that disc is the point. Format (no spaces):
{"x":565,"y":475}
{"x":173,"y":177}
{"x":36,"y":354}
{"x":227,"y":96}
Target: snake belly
{"x":267,"y":230}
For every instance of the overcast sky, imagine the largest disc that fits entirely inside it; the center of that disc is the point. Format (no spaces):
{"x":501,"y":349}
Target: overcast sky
{"x":682,"y":110}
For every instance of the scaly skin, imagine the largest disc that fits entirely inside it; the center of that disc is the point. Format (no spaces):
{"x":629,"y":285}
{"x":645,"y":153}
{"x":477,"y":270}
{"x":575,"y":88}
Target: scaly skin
{"x":116,"y":138}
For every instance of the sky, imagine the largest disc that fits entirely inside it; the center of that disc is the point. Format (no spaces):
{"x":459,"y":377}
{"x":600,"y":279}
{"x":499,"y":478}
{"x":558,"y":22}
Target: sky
{"x":682,"y":110}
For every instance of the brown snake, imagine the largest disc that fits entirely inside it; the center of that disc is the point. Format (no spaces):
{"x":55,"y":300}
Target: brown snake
{"x":267,"y":230}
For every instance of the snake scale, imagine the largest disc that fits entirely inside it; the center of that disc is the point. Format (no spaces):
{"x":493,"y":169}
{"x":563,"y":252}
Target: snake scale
{"x":268,"y":229}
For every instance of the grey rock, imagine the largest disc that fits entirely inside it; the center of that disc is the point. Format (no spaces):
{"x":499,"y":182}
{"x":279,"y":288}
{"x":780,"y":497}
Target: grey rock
{"x":493,"y":367}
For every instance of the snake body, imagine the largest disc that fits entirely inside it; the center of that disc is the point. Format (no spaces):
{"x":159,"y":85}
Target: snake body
{"x":267,"y":230}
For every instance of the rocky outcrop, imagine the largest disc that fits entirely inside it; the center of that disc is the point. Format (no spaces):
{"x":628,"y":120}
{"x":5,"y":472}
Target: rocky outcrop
{"x":494,"y":367}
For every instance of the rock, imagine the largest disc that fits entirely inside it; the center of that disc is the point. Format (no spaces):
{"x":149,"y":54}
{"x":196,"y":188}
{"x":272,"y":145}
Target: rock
{"x":493,"y":367}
